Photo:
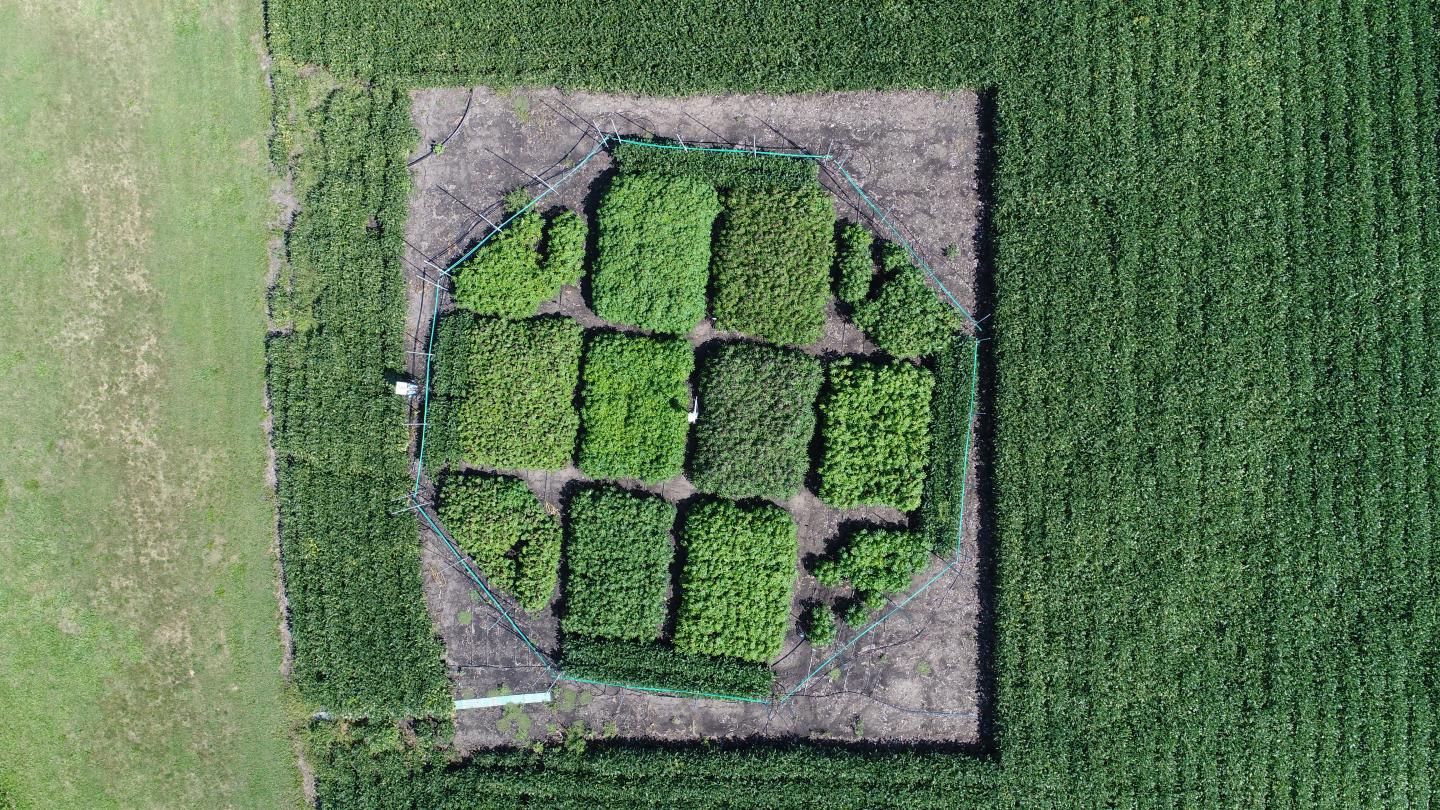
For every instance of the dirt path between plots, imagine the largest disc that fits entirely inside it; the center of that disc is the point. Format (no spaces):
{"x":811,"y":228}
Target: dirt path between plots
{"x":915,"y":677}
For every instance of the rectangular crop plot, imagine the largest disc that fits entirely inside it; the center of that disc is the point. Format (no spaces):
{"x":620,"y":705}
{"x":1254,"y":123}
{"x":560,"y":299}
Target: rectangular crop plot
{"x":653,"y":254}
{"x":505,"y":391}
{"x":736,"y":583}
{"x":875,"y":430}
{"x":617,"y":553}
{"x":506,"y":531}
{"x":757,"y":414}
{"x":635,"y":400}
{"x":770,"y":271}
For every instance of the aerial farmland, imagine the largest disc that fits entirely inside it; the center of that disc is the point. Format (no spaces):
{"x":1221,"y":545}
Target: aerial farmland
{"x":570,"y":404}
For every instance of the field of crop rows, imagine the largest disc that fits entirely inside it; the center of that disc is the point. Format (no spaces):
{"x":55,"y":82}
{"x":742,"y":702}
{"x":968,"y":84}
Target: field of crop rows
{"x":1212,"y":388}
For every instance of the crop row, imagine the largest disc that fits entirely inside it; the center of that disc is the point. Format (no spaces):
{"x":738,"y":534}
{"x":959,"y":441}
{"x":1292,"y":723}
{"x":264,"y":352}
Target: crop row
{"x":660,"y":666}
{"x":354,"y":773}
{"x":719,"y":169}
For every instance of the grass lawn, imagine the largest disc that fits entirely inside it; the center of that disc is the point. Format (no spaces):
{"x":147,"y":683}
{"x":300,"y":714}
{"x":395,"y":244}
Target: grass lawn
{"x":139,"y":639}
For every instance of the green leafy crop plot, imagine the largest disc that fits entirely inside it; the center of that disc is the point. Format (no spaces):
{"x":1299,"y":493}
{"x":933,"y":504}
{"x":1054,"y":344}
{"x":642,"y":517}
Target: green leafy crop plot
{"x":658,"y":666}
{"x":819,"y":625}
{"x":770,"y":272}
{"x":505,"y":390}
{"x":876,"y":562}
{"x":507,"y":277}
{"x":757,"y":414}
{"x":565,"y":235}
{"x":506,"y":531}
{"x":903,"y":315}
{"x":735,"y":584}
{"x":653,"y":251}
{"x":854,"y":266}
{"x":875,"y":433}
{"x":634,"y":406}
{"x":617,"y":553}
{"x":1213,"y":350}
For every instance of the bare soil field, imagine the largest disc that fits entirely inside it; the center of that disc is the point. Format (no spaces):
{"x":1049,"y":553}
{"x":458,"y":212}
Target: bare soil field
{"x":915,"y":676}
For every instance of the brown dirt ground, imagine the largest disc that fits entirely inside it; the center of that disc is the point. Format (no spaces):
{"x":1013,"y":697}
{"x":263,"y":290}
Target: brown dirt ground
{"x":913,"y":678}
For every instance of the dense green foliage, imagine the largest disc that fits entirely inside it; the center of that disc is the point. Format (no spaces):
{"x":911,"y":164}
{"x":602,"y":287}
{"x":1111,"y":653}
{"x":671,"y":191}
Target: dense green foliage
{"x":1214,"y":359}
{"x":565,"y":235}
{"x":903,"y":315}
{"x":506,"y":276}
{"x":757,"y":414}
{"x":662,"y":667}
{"x":854,"y":264}
{"x":770,"y":271}
{"x":941,"y":505}
{"x":653,"y":252}
{"x":819,"y":625}
{"x":876,"y":562}
{"x":721,"y":170}
{"x":856,"y":615}
{"x":736,"y":579}
{"x":443,"y":447}
{"x":506,"y":531}
{"x":875,"y":434}
{"x":634,"y":405}
{"x":617,"y":562}
{"x":505,"y":390}
{"x":363,"y":642}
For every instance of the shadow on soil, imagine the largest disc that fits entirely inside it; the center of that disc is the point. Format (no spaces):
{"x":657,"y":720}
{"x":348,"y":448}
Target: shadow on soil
{"x":986,"y":538}
{"x":783,"y":744}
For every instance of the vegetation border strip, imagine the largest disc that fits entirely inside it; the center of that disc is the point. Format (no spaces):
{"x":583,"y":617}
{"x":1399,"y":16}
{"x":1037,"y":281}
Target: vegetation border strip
{"x":420,"y":506}
{"x":668,"y":691}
